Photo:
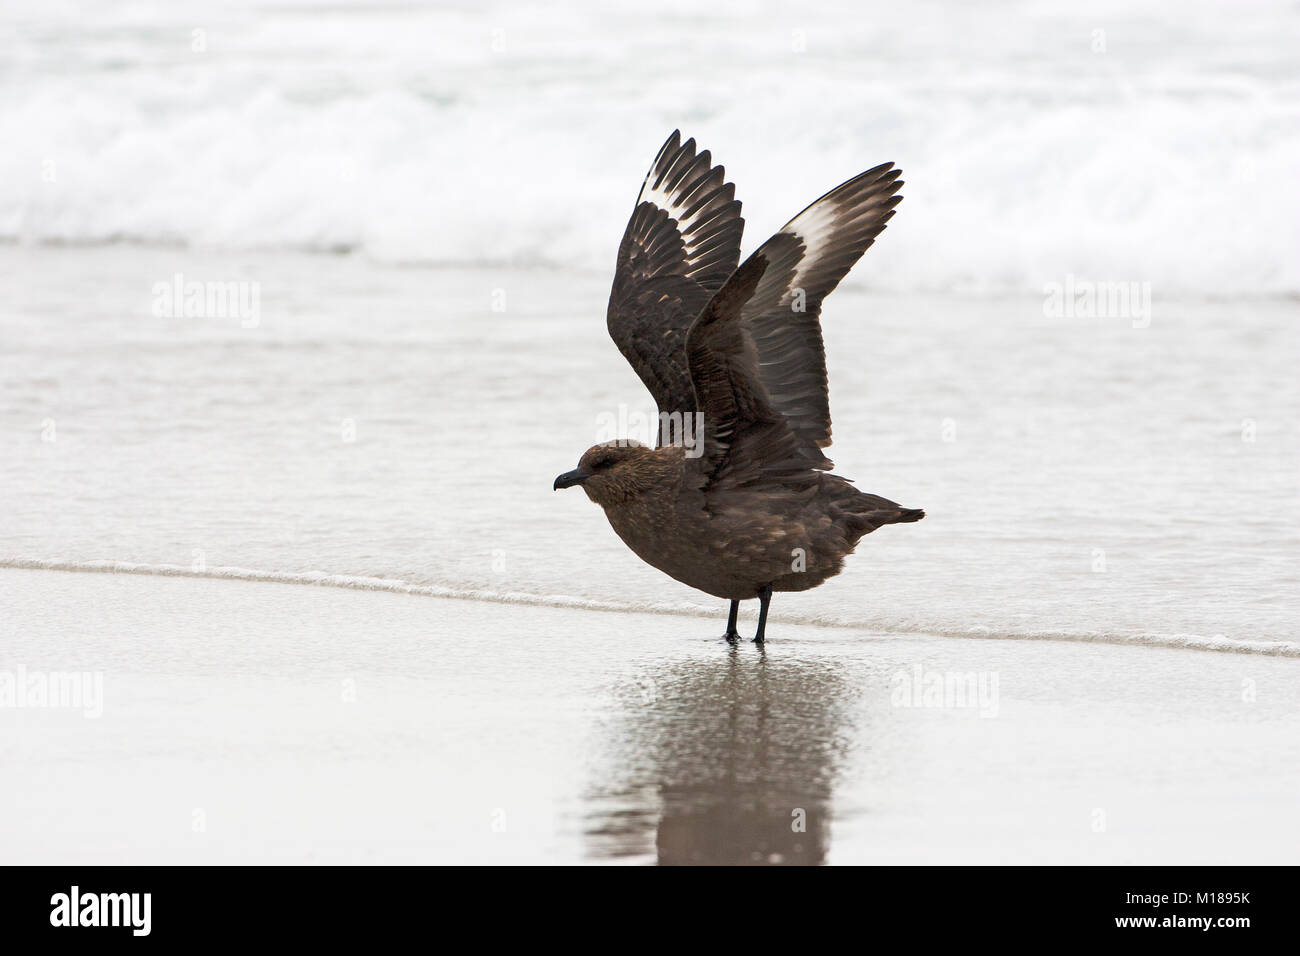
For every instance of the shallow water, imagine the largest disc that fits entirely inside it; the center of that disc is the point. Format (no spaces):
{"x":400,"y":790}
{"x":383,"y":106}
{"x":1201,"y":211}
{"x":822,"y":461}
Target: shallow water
{"x":1082,"y":477}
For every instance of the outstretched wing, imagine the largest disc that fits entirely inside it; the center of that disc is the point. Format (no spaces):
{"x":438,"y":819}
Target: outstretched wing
{"x":681,"y":244}
{"x":746,"y":437}
{"x":806,"y":260}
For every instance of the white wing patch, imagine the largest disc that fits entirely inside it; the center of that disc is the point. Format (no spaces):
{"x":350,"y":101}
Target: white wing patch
{"x":848,"y":218}
{"x":658,"y":195}
{"x":692,"y":178}
{"x":816,"y":228}
{"x":671,"y":201}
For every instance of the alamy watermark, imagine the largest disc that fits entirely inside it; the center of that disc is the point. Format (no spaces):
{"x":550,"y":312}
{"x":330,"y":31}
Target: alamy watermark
{"x":178,"y":298}
{"x":924,"y":687}
{"x":667,"y":428}
{"x":127,"y":910}
{"x":1077,"y":298}
{"x":73,"y":690}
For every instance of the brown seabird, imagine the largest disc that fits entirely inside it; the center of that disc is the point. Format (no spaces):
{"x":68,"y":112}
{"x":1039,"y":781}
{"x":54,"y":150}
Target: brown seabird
{"x":750,"y":507}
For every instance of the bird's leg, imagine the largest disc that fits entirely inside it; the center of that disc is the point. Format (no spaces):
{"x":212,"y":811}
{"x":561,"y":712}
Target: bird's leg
{"x":764,"y":599}
{"x":732,"y":634}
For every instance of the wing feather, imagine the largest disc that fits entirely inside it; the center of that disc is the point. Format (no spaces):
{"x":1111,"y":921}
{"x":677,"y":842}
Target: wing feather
{"x":808,"y":258}
{"x":746,"y":438}
{"x":681,"y":244}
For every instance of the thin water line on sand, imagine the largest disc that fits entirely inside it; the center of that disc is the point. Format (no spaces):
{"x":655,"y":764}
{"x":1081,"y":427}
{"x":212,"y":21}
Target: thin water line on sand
{"x":561,"y":601}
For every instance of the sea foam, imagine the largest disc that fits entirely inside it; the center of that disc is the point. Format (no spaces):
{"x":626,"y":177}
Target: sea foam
{"x":1109,"y":147}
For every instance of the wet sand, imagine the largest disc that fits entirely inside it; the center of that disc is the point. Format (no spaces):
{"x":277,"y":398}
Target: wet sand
{"x":262,"y":722}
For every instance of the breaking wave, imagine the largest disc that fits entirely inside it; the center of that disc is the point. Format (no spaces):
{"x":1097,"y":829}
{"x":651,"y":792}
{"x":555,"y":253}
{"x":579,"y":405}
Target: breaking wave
{"x":1035,"y":146}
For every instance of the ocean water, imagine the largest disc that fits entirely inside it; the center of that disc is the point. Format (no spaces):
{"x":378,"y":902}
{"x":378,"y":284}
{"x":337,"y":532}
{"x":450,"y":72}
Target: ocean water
{"x":384,"y":427}
{"x":427,"y":199}
{"x":1121,"y":141}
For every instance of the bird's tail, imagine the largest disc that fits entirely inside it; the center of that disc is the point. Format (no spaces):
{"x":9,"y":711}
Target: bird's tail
{"x":865,"y":513}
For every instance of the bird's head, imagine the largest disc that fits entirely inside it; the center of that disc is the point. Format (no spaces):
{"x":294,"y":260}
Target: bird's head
{"x":613,"y":472}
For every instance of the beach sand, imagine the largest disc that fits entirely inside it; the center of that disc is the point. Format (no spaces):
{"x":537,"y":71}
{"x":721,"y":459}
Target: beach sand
{"x":264,"y":722}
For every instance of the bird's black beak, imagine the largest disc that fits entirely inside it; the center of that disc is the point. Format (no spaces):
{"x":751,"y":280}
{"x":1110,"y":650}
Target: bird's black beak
{"x":571,"y":478}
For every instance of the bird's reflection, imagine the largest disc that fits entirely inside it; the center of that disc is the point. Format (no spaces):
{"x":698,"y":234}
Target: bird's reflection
{"x":725,"y":759}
